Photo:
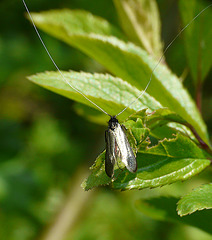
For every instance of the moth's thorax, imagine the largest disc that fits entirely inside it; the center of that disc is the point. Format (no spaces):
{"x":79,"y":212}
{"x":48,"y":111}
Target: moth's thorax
{"x":113,"y":123}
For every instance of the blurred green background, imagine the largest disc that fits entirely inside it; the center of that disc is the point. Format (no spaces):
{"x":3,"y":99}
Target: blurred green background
{"x":46,"y":148}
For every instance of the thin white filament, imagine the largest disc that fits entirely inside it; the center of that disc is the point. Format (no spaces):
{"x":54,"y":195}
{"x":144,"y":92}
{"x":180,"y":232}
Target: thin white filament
{"x":63,"y":77}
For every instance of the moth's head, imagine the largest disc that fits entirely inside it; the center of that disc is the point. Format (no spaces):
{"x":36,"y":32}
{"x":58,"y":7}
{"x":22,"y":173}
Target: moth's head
{"x":113,"y":123}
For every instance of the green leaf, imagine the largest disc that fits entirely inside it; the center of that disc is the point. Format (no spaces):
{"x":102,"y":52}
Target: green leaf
{"x":163,"y":209}
{"x":169,"y":161}
{"x":157,"y":121}
{"x":77,"y":22}
{"x":199,"y":199}
{"x":197,"y":38}
{"x":110,"y":93}
{"x":132,"y":64}
{"x":163,"y":115}
{"x":160,"y":117}
{"x":141,"y":23}
{"x":138,"y":131}
{"x":98,"y":176}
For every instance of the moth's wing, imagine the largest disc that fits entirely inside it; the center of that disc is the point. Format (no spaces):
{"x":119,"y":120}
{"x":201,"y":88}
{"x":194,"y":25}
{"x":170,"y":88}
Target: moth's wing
{"x":129,"y":158}
{"x":110,"y":153}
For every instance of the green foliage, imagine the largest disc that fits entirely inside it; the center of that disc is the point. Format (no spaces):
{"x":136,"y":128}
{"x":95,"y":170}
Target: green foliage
{"x":163,"y":209}
{"x":110,"y":93}
{"x":198,"y":199}
{"x":170,"y":160}
{"x":129,"y":62}
{"x":132,"y":15}
{"x":197,"y":39}
{"x":166,"y":158}
{"x":47,"y":143}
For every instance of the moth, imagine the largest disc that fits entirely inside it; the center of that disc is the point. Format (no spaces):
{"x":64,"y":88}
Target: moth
{"x":118,"y":147}
{"x":117,"y":144}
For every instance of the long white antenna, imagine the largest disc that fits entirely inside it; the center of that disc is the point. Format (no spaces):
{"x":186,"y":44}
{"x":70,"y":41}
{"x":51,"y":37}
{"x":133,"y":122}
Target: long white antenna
{"x":161,"y":58}
{"x":63,"y":77}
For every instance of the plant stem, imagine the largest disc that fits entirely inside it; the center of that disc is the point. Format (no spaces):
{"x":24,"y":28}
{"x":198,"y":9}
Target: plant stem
{"x":202,"y":143}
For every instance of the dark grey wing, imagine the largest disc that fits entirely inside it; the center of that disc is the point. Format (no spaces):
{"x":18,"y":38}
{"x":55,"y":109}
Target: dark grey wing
{"x":130,"y":163}
{"x":110,"y":153}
